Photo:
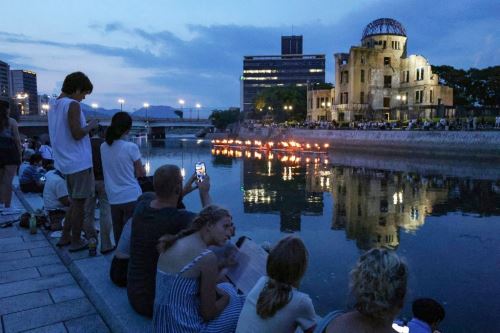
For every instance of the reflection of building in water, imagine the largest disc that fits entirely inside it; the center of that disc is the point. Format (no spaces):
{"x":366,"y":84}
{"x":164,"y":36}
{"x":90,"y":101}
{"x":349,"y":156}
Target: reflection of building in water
{"x":271,"y":186}
{"x":372,"y":205}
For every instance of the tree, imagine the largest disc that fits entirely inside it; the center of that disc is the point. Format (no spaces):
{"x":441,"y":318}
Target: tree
{"x":473,"y":87}
{"x":223,"y":118}
{"x":275,"y":101}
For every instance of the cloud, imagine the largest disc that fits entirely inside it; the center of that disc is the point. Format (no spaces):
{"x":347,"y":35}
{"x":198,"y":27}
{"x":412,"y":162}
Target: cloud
{"x":206,"y":65}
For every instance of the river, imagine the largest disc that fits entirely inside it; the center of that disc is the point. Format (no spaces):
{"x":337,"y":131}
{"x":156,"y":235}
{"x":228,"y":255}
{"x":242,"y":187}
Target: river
{"x":443,"y":217}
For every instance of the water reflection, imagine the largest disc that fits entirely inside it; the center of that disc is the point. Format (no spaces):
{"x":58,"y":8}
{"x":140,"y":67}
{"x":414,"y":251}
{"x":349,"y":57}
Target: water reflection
{"x":372,"y":206}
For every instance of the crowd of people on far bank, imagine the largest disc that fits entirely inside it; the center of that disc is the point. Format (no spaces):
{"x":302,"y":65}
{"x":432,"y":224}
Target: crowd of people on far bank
{"x":469,"y":123}
{"x":171,"y":260}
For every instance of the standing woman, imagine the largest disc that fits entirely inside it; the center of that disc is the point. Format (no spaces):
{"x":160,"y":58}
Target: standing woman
{"x":10,"y":155}
{"x":121,"y":165}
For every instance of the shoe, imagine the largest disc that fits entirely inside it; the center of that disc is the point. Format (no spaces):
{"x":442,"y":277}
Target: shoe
{"x":80,"y":245}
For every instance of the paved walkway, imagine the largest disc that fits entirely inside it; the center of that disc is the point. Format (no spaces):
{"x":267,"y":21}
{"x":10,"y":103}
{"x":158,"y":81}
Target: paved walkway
{"x":47,"y":289}
{"x":37,"y":292}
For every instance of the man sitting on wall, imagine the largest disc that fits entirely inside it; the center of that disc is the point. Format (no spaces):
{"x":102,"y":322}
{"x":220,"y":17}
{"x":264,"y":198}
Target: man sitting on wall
{"x":155,"y":215}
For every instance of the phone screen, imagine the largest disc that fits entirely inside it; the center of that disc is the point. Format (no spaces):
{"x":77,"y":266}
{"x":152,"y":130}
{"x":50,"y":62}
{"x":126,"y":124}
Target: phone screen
{"x":201,"y":171}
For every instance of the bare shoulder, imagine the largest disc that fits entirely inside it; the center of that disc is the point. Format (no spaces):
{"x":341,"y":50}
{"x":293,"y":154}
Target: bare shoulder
{"x":12,"y":122}
{"x":208,"y":261}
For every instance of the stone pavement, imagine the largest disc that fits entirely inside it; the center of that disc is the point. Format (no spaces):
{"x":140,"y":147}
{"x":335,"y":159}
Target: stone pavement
{"x":37,"y":292}
{"x":94,"y":303}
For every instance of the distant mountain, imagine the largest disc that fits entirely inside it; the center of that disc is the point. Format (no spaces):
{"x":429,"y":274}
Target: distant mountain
{"x":154,"y":111}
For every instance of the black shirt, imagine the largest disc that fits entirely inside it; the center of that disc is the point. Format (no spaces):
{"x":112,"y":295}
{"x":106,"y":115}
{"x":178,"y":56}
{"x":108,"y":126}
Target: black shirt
{"x":148,"y":225}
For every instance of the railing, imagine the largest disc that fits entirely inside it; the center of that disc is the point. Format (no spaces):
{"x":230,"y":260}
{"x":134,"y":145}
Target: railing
{"x":39,"y":118}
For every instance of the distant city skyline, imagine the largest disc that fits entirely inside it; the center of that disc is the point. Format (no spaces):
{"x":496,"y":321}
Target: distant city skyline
{"x":159,"y":53}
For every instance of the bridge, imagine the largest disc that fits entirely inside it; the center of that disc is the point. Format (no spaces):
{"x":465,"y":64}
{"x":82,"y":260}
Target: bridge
{"x":157,"y":127}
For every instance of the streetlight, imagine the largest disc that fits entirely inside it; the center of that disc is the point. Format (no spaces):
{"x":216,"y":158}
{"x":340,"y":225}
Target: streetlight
{"x":198,"y":106}
{"x":146,"y":106}
{"x":94,"y":107}
{"x":181,"y":103}
{"x":22,"y":101}
{"x":45,"y":109}
{"x":121,"y":101}
{"x":402,"y":100}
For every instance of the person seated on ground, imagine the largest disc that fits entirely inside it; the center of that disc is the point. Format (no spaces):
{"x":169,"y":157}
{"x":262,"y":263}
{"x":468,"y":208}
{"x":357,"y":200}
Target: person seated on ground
{"x":26,"y":161}
{"x":32,"y":179}
{"x":188,"y":296}
{"x":378,"y":285}
{"x":156,"y":215}
{"x":427,"y":314}
{"x":46,"y":152}
{"x":274,"y":304}
{"x":55,"y":198}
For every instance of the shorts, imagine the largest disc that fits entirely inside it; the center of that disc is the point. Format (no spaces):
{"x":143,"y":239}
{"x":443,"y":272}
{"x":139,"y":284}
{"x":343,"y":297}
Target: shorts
{"x":81,"y":184}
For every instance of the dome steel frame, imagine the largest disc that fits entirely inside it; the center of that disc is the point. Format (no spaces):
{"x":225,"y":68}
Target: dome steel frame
{"x":384,"y":26}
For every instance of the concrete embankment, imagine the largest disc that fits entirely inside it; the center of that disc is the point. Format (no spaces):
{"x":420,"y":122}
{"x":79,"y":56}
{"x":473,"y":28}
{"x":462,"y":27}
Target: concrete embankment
{"x":483,"y":144}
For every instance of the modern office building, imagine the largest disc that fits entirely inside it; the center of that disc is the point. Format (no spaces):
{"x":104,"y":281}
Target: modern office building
{"x":291,"y":45}
{"x":4,"y":81}
{"x":377,"y":80}
{"x":287,"y":69}
{"x":24,"y":91}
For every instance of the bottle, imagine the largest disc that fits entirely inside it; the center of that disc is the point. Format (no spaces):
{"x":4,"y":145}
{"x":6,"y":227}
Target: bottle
{"x":92,"y":247}
{"x":32,"y":224}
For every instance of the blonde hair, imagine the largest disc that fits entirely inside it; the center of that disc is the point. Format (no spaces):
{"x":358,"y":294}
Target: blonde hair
{"x":286,"y":264}
{"x":209,"y":215}
{"x":378,"y":283}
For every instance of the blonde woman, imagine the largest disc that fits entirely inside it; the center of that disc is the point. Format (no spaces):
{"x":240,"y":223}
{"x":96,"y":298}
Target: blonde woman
{"x":378,"y":284}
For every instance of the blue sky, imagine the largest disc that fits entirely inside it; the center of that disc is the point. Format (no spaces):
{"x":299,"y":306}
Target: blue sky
{"x":159,"y":51}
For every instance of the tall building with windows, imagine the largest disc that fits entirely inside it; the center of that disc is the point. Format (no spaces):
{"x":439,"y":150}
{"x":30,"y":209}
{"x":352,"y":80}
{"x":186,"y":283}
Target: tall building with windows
{"x":4,"y":81}
{"x":289,"y":68}
{"x":377,"y":80}
{"x":24,"y":91}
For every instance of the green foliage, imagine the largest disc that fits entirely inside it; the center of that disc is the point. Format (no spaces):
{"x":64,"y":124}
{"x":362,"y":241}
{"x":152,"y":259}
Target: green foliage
{"x":474,"y":87}
{"x":222,"y":118}
{"x":272,"y":101}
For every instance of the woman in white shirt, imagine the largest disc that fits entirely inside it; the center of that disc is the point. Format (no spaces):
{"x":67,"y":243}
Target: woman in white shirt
{"x":274,"y":304}
{"x":121,"y":164}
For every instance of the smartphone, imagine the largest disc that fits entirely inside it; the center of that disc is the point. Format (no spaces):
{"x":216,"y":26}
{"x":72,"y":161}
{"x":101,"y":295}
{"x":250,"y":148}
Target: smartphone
{"x":201,"y":171}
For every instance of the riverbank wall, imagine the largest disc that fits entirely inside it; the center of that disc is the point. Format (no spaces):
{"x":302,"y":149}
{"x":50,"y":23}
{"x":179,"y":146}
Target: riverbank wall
{"x":480,"y":144}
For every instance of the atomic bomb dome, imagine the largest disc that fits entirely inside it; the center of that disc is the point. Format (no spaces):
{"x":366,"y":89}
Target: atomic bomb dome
{"x":384,"y":26}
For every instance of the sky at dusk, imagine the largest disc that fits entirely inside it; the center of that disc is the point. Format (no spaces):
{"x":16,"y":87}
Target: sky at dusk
{"x":159,"y":51}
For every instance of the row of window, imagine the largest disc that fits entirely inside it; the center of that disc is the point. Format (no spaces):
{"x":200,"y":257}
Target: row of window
{"x":323,"y":102}
{"x":419,"y":98}
{"x":405,"y":77}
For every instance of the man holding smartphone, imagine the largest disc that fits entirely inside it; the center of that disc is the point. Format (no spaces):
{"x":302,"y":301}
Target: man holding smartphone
{"x":157,"y":214}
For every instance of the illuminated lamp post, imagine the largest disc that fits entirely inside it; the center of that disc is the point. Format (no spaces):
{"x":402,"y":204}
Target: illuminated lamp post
{"x":45,"y":109}
{"x":198,"y":106}
{"x":181,"y":103}
{"x":121,"y":101}
{"x":94,"y":108}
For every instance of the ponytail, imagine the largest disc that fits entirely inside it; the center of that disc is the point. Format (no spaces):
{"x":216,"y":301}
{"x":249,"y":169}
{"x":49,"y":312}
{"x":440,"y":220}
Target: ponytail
{"x":207,"y":216}
{"x":273,"y":297}
{"x":286,"y":264}
{"x":120,"y":124}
